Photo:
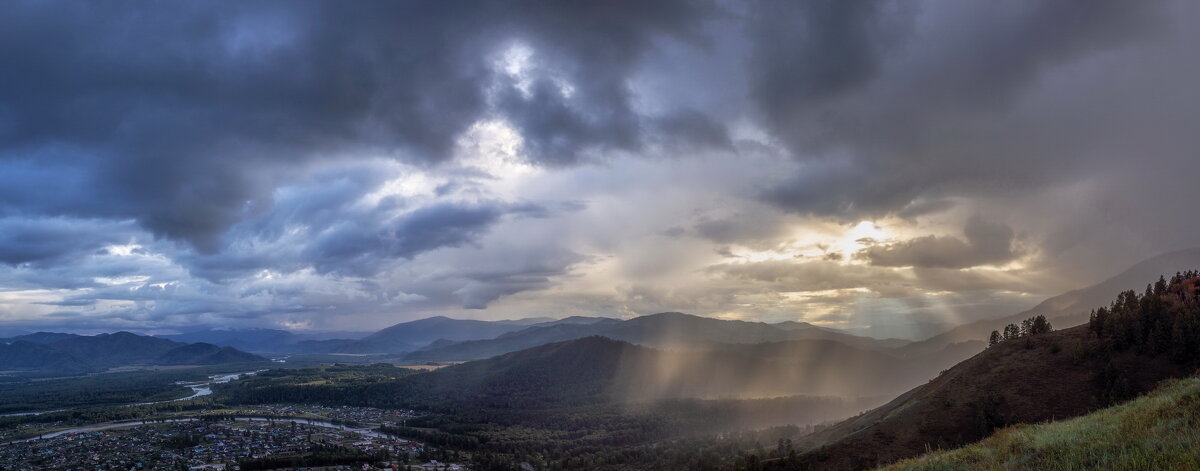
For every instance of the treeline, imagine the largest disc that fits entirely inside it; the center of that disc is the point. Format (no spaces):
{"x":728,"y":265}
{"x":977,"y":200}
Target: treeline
{"x":319,"y":456}
{"x":1165,"y":319}
{"x":433,"y":437}
{"x":361,"y":385}
{"x":111,"y":388}
{"x":1029,"y":327}
{"x":726,"y":451}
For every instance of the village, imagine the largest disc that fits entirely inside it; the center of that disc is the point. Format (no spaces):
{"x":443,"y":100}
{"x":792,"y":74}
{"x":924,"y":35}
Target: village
{"x":274,"y":435}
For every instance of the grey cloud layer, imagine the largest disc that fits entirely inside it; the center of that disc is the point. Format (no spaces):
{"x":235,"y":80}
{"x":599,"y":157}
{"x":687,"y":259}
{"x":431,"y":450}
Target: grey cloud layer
{"x":891,"y":102}
{"x":238,"y":145}
{"x":182,"y":116}
{"x":987,"y":243}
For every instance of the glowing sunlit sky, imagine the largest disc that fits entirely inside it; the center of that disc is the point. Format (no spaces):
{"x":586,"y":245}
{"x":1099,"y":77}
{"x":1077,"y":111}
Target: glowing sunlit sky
{"x":892,"y":168}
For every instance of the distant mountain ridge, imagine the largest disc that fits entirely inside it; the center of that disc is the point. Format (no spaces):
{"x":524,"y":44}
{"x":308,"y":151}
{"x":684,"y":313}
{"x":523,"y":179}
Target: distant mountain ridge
{"x":56,"y":353}
{"x":408,"y":336}
{"x":402,"y":337}
{"x":663,"y":330}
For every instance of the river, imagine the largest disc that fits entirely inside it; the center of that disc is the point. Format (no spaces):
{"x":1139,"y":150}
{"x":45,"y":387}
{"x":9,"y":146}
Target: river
{"x":203,"y":388}
{"x":199,"y":389}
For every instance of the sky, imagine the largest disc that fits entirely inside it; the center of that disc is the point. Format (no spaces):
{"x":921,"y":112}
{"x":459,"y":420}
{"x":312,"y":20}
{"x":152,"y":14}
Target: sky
{"x":887,"y":167}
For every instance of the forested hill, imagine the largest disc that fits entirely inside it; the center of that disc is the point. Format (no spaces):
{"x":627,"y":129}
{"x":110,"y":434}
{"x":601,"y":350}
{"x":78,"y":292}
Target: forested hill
{"x":599,"y":370}
{"x":576,"y":372}
{"x":56,"y":354}
{"x":1124,"y":350}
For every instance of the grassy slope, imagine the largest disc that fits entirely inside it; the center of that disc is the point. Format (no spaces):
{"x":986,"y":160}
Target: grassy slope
{"x":1159,"y":431}
{"x":1018,"y":381}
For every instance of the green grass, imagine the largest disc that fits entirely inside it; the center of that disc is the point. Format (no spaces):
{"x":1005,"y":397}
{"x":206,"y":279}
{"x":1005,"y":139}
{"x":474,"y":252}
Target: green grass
{"x":1158,"y":431}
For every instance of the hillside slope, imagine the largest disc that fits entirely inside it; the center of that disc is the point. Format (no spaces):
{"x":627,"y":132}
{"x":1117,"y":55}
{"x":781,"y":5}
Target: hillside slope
{"x":577,"y":371}
{"x":75,"y":354}
{"x":1159,"y":431}
{"x":204,"y":354}
{"x":24,"y":356}
{"x":1044,"y":377}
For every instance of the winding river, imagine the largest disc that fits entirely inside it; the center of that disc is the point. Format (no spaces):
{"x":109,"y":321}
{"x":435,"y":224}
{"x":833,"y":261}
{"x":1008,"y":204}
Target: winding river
{"x":203,"y":388}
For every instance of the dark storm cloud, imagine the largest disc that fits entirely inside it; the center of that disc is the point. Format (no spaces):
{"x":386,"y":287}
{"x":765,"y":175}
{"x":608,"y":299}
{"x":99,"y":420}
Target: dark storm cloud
{"x":428,"y":228}
{"x":323,"y":222}
{"x":891,"y":102}
{"x":258,"y":160}
{"x":487,"y":284}
{"x":986,"y":243}
{"x":46,"y":240}
{"x":806,"y":53}
{"x":186,"y":116}
{"x":692,"y":130}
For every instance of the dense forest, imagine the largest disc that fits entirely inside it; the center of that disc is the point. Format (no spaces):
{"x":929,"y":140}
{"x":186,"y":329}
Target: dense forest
{"x":114,"y":388}
{"x":320,"y":456}
{"x":1165,"y":320}
{"x":49,"y":354}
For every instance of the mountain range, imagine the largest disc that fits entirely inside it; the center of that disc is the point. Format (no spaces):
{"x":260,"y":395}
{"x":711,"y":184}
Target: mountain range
{"x":399,"y":338}
{"x":445,"y":339}
{"x":672,"y":330}
{"x":49,"y":353}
